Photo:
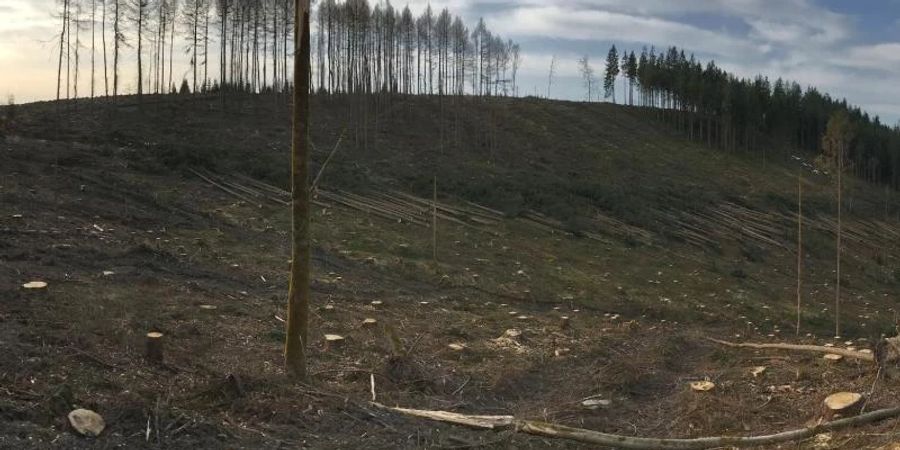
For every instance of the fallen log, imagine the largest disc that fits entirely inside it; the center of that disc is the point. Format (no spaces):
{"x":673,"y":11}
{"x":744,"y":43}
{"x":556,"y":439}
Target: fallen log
{"x":474,"y":421}
{"x":800,"y":347}
{"x":551,"y":430}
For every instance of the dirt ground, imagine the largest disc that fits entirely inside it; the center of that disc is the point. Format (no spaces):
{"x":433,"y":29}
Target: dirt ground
{"x":125,"y":252}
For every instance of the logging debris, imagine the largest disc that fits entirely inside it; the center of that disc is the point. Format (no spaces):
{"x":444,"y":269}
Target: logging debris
{"x":550,"y":430}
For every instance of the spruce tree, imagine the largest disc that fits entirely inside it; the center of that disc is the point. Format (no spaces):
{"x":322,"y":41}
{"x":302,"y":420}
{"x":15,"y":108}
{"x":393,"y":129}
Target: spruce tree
{"x":612,"y":71}
{"x":631,"y":73}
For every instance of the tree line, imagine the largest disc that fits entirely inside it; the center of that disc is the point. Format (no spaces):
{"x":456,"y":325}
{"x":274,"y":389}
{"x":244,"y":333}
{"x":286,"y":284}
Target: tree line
{"x":710,"y":105}
{"x":357,"y":48}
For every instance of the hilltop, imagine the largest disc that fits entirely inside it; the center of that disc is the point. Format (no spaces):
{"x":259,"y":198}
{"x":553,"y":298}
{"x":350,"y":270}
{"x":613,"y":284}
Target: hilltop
{"x":646,"y":241}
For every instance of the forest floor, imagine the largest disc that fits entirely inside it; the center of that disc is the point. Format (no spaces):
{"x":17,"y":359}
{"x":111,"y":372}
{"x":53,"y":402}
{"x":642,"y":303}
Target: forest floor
{"x":126,"y":250}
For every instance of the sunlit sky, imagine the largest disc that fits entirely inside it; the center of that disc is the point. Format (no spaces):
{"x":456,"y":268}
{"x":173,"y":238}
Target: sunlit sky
{"x":847,"y":48}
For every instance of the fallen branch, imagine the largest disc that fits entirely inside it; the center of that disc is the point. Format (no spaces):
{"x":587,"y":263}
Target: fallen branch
{"x":800,"y":347}
{"x":640,"y":443}
{"x":315,"y":183}
{"x":474,"y":421}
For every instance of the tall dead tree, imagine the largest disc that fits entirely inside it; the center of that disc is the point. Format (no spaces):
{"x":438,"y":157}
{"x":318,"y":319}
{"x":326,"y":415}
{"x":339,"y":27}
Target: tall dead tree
{"x":62,"y":45}
{"x":77,"y":22}
{"x":191,"y":16}
{"x":799,"y":246}
{"x":297,"y":336}
{"x":93,"y":45}
{"x":103,"y":39}
{"x":835,"y":143}
{"x":118,"y":38}
{"x":222,"y":8}
{"x":140,"y":17}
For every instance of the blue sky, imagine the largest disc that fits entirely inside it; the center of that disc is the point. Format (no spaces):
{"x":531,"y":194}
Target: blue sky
{"x":847,"y":48}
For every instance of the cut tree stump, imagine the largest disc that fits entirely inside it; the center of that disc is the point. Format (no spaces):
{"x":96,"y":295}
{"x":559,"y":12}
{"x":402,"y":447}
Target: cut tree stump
{"x":35,"y":285}
{"x":702,"y":386}
{"x":333,"y":341}
{"x":843,"y":404}
{"x":154,"y":347}
{"x":86,"y":422}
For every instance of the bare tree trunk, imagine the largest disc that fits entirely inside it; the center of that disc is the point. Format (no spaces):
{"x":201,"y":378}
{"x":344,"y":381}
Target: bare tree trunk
{"x":68,"y":52}
{"x":77,"y":47}
{"x":93,"y":45}
{"x":799,"y":245}
{"x":205,"y":47}
{"x":298,"y":296}
{"x":172,"y":19}
{"x":140,"y":42}
{"x":194,"y":25}
{"x":275,"y":47}
{"x":116,"y":34}
{"x":837,"y":290}
{"x":223,"y":49}
{"x":62,"y":44}
{"x":105,"y":69}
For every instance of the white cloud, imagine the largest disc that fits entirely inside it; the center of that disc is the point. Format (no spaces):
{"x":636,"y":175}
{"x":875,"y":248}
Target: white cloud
{"x":597,"y":25}
{"x":882,"y":56}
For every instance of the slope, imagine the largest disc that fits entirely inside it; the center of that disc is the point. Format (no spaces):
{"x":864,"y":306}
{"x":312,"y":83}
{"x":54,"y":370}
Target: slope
{"x":645,"y":241}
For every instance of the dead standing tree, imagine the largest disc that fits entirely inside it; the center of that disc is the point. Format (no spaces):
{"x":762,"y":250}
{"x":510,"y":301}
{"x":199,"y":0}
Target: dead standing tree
{"x":835,"y":143}
{"x":298,"y":294}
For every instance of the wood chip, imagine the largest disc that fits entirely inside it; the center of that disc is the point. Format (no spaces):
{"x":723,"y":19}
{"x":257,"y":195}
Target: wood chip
{"x":457,"y":346}
{"x":832,"y":357}
{"x":702,"y":386}
{"x":757,"y":371}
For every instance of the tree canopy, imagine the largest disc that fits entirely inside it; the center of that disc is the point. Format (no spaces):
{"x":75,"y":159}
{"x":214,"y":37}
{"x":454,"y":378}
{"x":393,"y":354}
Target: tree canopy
{"x":755,"y":114}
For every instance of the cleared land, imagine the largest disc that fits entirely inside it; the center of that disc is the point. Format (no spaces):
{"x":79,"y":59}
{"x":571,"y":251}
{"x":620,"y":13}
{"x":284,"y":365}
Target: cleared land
{"x":646,"y":242}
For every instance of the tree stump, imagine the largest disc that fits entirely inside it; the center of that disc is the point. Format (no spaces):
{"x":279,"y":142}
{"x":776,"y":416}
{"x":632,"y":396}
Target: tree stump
{"x":333,"y":341}
{"x":842,"y":403}
{"x":154,"y":347}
